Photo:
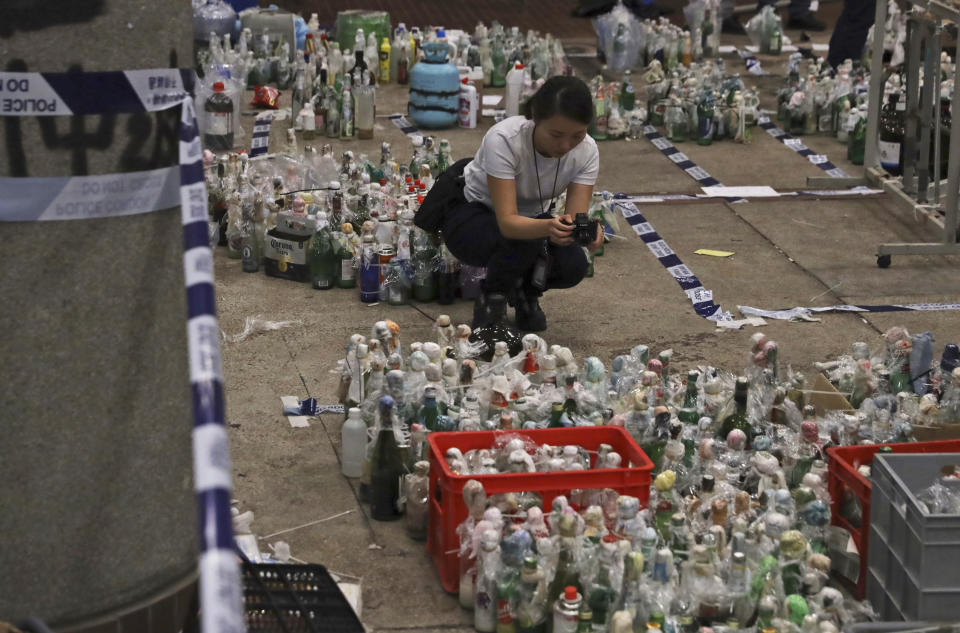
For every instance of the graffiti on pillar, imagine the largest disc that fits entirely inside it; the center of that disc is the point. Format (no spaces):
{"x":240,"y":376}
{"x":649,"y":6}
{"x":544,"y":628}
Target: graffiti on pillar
{"x":149,"y":139}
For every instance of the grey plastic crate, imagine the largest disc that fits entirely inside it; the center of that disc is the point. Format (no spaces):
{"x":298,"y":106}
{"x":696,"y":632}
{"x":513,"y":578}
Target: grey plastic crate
{"x":903,"y":627}
{"x":914,"y":560}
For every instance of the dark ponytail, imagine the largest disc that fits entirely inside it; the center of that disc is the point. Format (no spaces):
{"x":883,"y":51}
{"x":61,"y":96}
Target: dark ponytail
{"x":567,"y":96}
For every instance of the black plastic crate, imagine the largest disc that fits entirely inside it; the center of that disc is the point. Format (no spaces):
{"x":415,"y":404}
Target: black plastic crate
{"x":295,"y":599}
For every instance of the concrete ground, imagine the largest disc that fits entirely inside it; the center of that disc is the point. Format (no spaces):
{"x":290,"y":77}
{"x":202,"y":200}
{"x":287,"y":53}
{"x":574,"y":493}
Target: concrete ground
{"x":816,"y":251}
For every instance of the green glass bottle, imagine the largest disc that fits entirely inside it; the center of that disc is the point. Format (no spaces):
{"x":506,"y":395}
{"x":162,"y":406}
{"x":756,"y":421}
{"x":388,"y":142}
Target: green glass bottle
{"x":386,"y":467}
{"x":424,"y":253}
{"x":689,"y":412}
{"x":567,"y":574}
{"x":429,"y":413}
{"x":738,"y":419}
{"x":531,"y":614}
{"x":556,"y":413}
{"x":323,"y":257}
{"x":628,"y":94}
{"x":602,"y":597}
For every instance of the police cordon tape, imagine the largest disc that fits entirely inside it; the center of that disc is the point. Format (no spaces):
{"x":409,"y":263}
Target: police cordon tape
{"x":702,"y":299}
{"x":260,"y":139}
{"x":405,"y":125}
{"x":683,"y":161}
{"x":64,"y":94}
{"x":820,"y":160}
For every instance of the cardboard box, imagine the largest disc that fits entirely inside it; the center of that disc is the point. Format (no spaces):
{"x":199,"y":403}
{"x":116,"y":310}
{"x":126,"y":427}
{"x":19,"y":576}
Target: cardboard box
{"x":826,"y":397}
{"x":287,"y":247}
{"x":934,"y":433}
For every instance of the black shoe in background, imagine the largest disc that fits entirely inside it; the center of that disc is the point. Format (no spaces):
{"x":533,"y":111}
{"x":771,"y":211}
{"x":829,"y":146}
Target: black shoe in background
{"x":806,"y":21}
{"x":732,"y":26}
{"x":530,"y":316}
{"x":489,"y":309}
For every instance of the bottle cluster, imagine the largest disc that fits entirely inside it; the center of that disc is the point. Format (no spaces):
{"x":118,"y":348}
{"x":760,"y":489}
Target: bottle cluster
{"x":734,"y":535}
{"x":344,"y":223}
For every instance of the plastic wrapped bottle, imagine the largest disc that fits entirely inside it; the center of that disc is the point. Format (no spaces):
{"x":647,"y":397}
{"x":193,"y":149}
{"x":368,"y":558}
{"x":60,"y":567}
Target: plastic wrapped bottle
{"x":353,"y":436}
{"x":488,"y":569}
{"x":219,"y":109}
{"x":417,"y":508}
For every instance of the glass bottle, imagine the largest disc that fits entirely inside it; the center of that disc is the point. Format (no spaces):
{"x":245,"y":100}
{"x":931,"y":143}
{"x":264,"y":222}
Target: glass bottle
{"x":417,"y":512}
{"x":347,"y":110}
{"x":365,"y":109}
{"x":369,"y":270}
{"x":858,"y":138}
{"x":424,"y":252}
{"x":567,"y":573}
{"x":428,"y":409}
{"x":675,"y":120}
{"x":346,"y":275}
{"x":891,"y":125}
{"x":386,"y":467}
{"x":488,"y":568}
{"x":531,"y":615}
{"x":602,"y":596}
{"x":738,"y":419}
{"x":689,"y":412}
{"x":323,"y":256}
{"x":627,"y":92}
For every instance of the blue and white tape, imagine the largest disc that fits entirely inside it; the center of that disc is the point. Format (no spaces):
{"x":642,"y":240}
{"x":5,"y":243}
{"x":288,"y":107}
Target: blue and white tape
{"x":682,"y":161}
{"x":700,"y":297}
{"x":260,"y":139}
{"x":58,"y":94}
{"x":405,"y":125}
{"x":820,"y":160}
{"x":805,"y":314}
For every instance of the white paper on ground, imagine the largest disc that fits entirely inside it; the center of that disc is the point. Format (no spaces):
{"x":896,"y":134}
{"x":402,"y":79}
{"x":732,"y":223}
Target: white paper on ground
{"x":298,"y":421}
{"x":488,"y":112}
{"x":719,"y":191}
{"x":492,"y":100}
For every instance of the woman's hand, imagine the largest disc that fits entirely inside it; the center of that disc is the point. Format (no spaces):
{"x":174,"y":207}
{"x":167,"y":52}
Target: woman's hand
{"x":597,"y":243}
{"x":560,"y":230}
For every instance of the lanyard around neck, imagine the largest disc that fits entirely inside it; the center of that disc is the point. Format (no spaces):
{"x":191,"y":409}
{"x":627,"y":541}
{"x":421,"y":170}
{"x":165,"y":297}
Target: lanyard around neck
{"x":536,"y":168}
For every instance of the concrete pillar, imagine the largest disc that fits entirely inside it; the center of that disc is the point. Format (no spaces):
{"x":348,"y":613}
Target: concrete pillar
{"x":97,"y":512}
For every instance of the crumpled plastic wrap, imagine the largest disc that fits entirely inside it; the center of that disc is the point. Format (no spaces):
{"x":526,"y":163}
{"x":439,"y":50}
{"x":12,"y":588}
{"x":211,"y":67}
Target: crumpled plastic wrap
{"x":254,"y":325}
{"x":620,"y":36}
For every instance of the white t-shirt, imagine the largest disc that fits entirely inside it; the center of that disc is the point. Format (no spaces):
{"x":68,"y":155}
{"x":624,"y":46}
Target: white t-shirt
{"x":507,"y":152}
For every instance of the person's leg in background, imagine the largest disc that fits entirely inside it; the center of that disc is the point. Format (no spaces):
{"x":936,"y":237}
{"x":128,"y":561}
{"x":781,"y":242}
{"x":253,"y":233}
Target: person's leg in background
{"x":729,"y":23}
{"x":850,"y":33}
{"x":799,"y":15}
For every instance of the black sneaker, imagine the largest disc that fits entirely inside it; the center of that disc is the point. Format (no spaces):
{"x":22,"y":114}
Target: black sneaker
{"x":530,"y":317}
{"x":732,"y":26}
{"x":806,"y":21}
{"x":488,"y":309}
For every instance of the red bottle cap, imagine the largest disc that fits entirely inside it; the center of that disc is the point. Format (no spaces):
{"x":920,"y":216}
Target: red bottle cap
{"x":465,"y":81}
{"x":310,"y":35}
{"x":409,"y":179}
{"x":519,"y":66}
{"x":417,"y":182}
{"x":423,"y":187}
{"x":570,"y":594}
{"x":410,"y":189}
{"x":383,"y":181}
{"x":218,"y":86}
{"x":420,"y":201}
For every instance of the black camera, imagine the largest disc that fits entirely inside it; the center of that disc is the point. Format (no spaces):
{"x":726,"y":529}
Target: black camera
{"x":584,"y":229}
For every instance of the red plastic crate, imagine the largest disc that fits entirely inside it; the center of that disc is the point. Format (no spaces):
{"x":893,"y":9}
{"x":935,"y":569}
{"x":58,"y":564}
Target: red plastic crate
{"x":844,"y":481}
{"x":447,"y":509}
